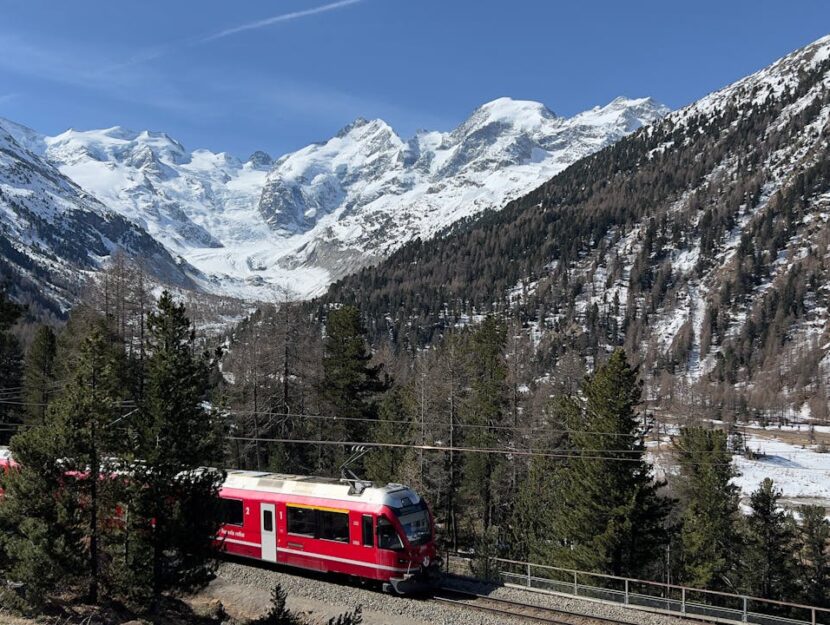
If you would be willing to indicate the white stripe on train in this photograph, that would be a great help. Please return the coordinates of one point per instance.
(342, 560)
(296, 552)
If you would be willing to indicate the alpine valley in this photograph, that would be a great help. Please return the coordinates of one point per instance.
(697, 239)
(257, 229)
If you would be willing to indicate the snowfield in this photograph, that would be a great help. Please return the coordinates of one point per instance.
(800, 472)
(797, 467)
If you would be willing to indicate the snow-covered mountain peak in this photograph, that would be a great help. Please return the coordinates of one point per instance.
(362, 127)
(115, 132)
(365, 137)
(518, 113)
(628, 113)
(365, 192)
(313, 215)
(53, 232)
(757, 88)
(116, 143)
(22, 135)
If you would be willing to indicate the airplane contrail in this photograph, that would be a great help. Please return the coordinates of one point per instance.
(284, 17)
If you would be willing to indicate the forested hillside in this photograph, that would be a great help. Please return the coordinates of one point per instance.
(566, 471)
(700, 244)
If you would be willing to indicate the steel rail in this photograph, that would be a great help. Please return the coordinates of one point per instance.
(518, 609)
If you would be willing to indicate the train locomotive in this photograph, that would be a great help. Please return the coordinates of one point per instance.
(380, 533)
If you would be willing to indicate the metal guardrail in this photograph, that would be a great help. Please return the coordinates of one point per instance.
(682, 601)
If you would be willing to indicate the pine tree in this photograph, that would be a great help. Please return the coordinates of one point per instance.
(39, 548)
(277, 613)
(383, 465)
(769, 564)
(350, 383)
(484, 409)
(57, 502)
(537, 500)
(814, 555)
(532, 524)
(85, 414)
(611, 516)
(710, 533)
(39, 373)
(172, 504)
(10, 367)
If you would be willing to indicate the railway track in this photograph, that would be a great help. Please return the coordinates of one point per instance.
(517, 609)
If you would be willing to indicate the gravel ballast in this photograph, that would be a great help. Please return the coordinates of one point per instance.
(245, 592)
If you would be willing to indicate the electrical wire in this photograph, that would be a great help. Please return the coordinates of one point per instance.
(131, 404)
(482, 450)
(539, 428)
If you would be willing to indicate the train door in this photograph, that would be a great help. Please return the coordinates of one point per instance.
(268, 531)
(367, 535)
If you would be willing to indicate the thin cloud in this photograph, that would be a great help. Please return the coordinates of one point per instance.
(285, 17)
(151, 54)
(78, 67)
(8, 97)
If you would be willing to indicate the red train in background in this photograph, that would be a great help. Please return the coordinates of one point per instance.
(384, 534)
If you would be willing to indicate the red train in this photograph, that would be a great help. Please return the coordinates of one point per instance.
(380, 533)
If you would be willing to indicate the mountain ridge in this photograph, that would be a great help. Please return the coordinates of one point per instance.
(699, 243)
(293, 224)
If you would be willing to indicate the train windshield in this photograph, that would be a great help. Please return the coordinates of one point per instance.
(415, 522)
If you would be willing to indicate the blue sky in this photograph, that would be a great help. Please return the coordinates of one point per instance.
(243, 75)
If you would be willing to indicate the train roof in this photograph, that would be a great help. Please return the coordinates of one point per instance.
(394, 495)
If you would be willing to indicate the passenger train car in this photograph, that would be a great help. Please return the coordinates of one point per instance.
(382, 533)
(379, 533)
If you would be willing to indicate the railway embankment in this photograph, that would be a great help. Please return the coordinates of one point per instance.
(245, 593)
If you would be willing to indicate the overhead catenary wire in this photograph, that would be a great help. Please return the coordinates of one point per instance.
(9, 390)
(125, 403)
(593, 454)
(10, 427)
(541, 428)
(483, 450)
(131, 404)
(528, 428)
(537, 428)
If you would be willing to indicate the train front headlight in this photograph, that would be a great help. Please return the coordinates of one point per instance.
(426, 561)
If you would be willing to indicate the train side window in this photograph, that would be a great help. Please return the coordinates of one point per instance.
(387, 536)
(268, 521)
(333, 525)
(301, 521)
(314, 523)
(232, 512)
(368, 533)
